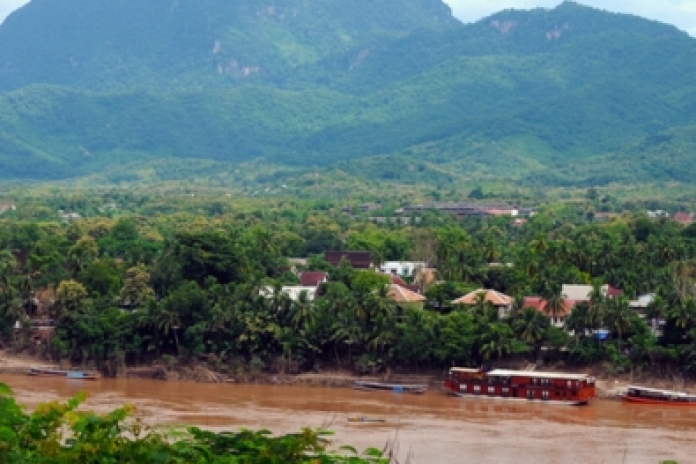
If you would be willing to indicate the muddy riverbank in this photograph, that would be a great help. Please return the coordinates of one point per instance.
(607, 386)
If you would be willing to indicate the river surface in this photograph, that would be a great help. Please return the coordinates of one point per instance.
(432, 429)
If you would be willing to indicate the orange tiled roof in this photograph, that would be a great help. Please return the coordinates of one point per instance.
(491, 296)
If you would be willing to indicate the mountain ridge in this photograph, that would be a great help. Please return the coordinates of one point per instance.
(536, 91)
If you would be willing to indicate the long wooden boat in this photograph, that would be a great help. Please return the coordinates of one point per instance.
(644, 395)
(67, 373)
(413, 389)
(364, 419)
(545, 387)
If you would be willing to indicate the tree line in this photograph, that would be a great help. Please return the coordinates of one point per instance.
(133, 290)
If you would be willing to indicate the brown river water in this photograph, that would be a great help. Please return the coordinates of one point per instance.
(432, 428)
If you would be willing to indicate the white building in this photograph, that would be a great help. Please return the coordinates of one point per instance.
(292, 291)
(402, 268)
(583, 292)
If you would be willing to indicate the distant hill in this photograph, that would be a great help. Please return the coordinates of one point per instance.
(175, 44)
(568, 96)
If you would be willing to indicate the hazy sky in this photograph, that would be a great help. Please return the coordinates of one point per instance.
(681, 13)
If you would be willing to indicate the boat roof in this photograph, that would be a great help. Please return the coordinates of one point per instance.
(537, 375)
(657, 390)
(465, 369)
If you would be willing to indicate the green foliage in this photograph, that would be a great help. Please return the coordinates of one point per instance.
(395, 92)
(59, 433)
(212, 289)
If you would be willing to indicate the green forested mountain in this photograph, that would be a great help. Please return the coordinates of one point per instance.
(569, 96)
(175, 44)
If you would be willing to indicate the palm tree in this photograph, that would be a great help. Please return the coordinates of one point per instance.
(345, 329)
(531, 326)
(168, 320)
(379, 305)
(684, 314)
(597, 306)
(8, 267)
(497, 340)
(578, 320)
(303, 315)
(620, 317)
(555, 304)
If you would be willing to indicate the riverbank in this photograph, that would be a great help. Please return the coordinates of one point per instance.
(608, 386)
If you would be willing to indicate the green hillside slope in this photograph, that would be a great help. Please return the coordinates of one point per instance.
(543, 96)
(100, 44)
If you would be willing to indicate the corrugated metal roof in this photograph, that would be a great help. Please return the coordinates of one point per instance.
(537, 375)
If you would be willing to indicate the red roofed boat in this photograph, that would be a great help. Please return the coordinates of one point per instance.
(643, 395)
(546, 387)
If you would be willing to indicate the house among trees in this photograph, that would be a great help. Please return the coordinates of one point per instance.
(499, 300)
(7, 206)
(405, 298)
(357, 259)
(558, 317)
(581, 293)
(313, 279)
(641, 305)
(685, 219)
(292, 291)
(401, 268)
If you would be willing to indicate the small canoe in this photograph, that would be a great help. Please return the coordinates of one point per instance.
(364, 419)
(72, 374)
(396, 388)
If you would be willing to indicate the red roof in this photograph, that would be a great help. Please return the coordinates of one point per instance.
(312, 279)
(396, 280)
(538, 303)
(613, 292)
(357, 259)
(684, 218)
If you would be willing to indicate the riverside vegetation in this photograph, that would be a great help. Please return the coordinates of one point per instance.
(201, 284)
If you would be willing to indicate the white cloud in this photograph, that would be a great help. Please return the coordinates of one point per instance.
(8, 6)
(681, 13)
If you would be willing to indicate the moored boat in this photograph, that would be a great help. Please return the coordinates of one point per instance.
(67, 373)
(364, 419)
(644, 395)
(413, 389)
(547, 387)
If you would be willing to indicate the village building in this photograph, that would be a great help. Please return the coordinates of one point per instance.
(501, 301)
(313, 279)
(580, 293)
(292, 291)
(641, 306)
(540, 304)
(405, 298)
(356, 259)
(7, 206)
(685, 219)
(402, 268)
